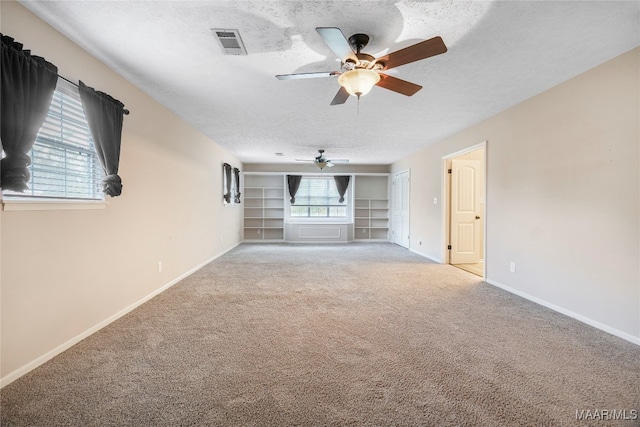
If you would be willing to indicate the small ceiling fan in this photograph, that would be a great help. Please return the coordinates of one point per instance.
(360, 72)
(321, 161)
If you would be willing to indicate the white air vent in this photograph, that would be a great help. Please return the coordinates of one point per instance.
(230, 41)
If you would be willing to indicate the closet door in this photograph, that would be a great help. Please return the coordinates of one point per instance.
(400, 212)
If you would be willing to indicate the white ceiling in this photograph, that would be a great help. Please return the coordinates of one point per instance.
(500, 53)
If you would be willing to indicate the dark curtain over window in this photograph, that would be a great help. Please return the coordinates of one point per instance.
(236, 178)
(342, 183)
(105, 116)
(226, 169)
(293, 181)
(28, 83)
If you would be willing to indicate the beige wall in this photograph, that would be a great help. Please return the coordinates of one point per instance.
(563, 196)
(66, 272)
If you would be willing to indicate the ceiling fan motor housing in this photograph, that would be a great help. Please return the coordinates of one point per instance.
(358, 41)
(364, 61)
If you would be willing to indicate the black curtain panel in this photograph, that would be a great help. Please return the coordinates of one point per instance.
(342, 183)
(293, 181)
(105, 116)
(236, 178)
(226, 170)
(28, 83)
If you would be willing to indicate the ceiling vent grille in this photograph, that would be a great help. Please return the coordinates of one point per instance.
(230, 41)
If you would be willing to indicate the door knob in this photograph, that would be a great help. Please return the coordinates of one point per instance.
(477, 217)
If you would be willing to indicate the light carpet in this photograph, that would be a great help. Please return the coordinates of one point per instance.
(332, 335)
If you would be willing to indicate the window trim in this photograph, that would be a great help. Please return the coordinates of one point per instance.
(16, 203)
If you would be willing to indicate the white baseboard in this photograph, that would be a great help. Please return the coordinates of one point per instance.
(12, 376)
(598, 325)
(561, 310)
(438, 260)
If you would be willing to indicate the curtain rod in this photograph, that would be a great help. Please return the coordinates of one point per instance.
(124, 111)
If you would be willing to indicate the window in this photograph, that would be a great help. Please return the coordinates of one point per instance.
(64, 163)
(230, 184)
(317, 197)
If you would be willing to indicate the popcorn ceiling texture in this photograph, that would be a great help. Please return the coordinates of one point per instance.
(500, 53)
(357, 334)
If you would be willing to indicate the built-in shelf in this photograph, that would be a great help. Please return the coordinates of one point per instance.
(371, 219)
(263, 207)
(371, 208)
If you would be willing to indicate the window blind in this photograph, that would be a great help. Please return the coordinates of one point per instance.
(64, 163)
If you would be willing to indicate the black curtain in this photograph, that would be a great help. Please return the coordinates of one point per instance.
(105, 116)
(342, 183)
(293, 181)
(28, 83)
(236, 178)
(226, 168)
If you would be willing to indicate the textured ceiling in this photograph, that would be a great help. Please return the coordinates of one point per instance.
(500, 53)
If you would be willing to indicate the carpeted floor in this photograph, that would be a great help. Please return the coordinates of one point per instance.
(333, 335)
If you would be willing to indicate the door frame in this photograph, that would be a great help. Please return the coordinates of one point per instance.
(446, 202)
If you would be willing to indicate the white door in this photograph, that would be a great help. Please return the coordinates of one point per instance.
(400, 211)
(466, 209)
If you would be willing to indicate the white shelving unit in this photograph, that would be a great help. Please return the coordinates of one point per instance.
(371, 220)
(263, 207)
(371, 208)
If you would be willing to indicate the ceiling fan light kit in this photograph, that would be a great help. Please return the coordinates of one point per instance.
(360, 71)
(322, 164)
(359, 81)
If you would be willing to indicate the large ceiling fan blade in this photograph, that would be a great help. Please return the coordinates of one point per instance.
(337, 42)
(339, 161)
(398, 85)
(307, 75)
(341, 97)
(416, 52)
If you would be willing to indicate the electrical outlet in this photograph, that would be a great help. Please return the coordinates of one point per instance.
(159, 266)
(435, 200)
(512, 267)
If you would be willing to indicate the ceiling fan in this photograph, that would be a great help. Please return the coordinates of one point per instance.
(321, 161)
(360, 72)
